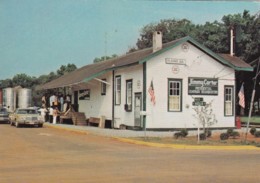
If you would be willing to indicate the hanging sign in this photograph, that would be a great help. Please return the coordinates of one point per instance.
(202, 86)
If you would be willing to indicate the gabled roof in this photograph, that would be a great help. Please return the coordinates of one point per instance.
(88, 72)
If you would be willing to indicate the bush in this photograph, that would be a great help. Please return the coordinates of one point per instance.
(209, 133)
(229, 131)
(203, 136)
(182, 133)
(257, 134)
(252, 131)
(224, 136)
(234, 134)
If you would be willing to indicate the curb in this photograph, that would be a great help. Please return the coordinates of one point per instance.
(183, 146)
(152, 144)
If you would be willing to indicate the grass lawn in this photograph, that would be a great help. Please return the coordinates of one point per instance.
(253, 119)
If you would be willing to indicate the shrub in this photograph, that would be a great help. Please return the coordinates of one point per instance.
(203, 136)
(224, 136)
(209, 133)
(234, 134)
(252, 131)
(257, 134)
(229, 131)
(182, 133)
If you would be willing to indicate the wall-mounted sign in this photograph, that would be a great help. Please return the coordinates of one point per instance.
(185, 47)
(84, 94)
(198, 101)
(202, 86)
(175, 69)
(179, 61)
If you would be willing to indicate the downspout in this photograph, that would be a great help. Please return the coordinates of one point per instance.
(113, 99)
(144, 95)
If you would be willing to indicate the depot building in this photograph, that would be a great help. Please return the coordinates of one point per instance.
(158, 87)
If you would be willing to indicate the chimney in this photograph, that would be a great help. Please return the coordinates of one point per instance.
(232, 42)
(157, 41)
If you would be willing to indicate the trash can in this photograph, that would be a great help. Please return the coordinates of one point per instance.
(238, 122)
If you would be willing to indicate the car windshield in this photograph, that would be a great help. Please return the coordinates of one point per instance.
(27, 111)
(3, 110)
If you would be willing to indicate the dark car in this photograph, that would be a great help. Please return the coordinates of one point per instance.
(4, 116)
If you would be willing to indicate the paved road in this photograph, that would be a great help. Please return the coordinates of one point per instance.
(40, 155)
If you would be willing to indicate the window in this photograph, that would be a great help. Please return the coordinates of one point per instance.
(228, 101)
(128, 105)
(174, 94)
(118, 90)
(103, 87)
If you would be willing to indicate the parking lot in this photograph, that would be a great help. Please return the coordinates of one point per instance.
(54, 155)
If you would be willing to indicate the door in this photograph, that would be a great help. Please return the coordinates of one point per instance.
(137, 109)
(76, 101)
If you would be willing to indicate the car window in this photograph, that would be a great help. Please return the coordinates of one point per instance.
(3, 110)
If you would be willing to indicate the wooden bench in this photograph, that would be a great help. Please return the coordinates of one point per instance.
(100, 122)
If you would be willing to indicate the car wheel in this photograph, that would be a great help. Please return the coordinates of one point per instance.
(17, 124)
(40, 125)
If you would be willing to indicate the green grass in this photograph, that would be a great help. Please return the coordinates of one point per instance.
(253, 119)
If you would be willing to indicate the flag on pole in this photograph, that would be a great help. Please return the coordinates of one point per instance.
(241, 96)
(151, 92)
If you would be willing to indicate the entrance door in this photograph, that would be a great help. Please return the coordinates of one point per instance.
(137, 109)
(76, 102)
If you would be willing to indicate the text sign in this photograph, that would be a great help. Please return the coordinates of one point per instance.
(179, 61)
(84, 94)
(198, 101)
(203, 86)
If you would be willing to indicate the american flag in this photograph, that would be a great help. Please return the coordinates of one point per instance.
(151, 92)
(241, 96)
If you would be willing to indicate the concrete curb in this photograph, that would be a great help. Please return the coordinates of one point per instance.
(152, 144)
(183, 146)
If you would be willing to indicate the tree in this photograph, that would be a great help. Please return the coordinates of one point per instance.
(205, 116)
(23, 80)
(66, 69)
(104, 58)
(171, 29)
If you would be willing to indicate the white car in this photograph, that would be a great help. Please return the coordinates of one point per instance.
(25, 116)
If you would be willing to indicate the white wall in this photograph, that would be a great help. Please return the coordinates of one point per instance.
(198, 64)
(98, 105)
(136, 74)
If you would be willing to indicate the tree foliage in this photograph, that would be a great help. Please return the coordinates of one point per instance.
(214, 35)
(104, 58)
(26, 81)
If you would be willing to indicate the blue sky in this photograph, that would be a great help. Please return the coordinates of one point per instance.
(38, 36)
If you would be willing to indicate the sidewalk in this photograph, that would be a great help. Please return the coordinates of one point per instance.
(122, 135)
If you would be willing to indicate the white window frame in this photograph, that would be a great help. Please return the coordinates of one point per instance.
(229, 101)
(117, 90)
(103, 87)
(174, 95)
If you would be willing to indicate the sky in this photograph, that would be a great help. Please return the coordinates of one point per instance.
(38, 36)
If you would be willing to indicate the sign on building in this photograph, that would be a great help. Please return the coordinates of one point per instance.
(202, 86)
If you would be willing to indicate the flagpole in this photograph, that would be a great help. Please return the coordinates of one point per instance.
(252, 101)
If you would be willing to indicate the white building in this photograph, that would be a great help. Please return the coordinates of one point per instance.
(183, 74)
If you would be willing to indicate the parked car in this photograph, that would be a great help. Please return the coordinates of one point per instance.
(25, 116)
(4, 116)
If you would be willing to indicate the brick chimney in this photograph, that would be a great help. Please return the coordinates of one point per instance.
(157, 41)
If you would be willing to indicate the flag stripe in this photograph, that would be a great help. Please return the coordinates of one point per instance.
(241, 96)
(151, 92)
